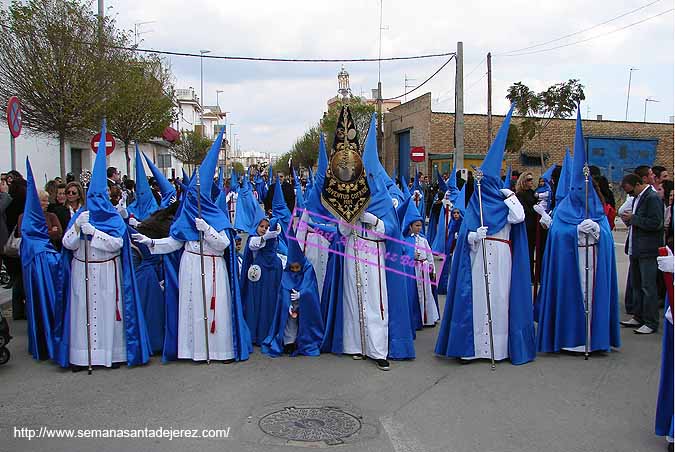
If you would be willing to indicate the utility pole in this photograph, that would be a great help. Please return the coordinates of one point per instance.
(459, 106)
(380, 136)
(630, 76)
(489, 97)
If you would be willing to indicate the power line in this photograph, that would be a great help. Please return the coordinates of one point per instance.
(424, 82)
(592, 37)
(580, 31)
(475, 83)
(475, 67)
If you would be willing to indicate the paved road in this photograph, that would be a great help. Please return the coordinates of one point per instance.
(557, 403)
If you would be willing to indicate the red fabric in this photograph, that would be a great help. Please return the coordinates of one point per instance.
(610, 213)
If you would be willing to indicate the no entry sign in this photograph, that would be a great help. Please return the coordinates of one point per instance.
(14, 116)
(417, 154)
(109, 143)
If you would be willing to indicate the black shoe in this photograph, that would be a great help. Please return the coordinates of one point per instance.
(115, 366)
(290, 348)
(670, 447)
(382, 364)
(76, 369)
(228, 361)
(464, 361)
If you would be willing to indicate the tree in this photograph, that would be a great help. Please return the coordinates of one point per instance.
(141, 105)
(60, 63)
(559, 101)
(238, 167)
(191, 148)
(361, 114)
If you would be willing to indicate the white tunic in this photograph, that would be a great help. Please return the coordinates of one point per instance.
(372, 293)
(108, 340)
(191, 338)
(592, 261)
(498, 254)
(424, 261)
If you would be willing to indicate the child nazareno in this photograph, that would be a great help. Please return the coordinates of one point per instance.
(261, 271)
(297, 327)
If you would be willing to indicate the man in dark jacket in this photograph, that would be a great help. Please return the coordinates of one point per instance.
(645, 236)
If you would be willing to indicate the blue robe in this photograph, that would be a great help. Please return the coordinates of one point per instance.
(310, 322)
(171, 267)
(148, 268)
(663, 425)
(259, 297)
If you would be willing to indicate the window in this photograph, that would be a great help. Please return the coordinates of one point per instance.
(164, 161)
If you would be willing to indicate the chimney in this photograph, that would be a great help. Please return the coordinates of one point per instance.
(598, 117)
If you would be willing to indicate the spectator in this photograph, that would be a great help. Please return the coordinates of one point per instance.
(5, 200)
(130, 190)
(603, 187)
(645, 236)
(525, 194)
(460, 180)
(660, 176)
(17, 190)
(469, 188)
(114, 177)
(58, 206)
(70, 178)
(645, 173)
(53, 224)
(156, 192)
(50, 187)
(74, 198)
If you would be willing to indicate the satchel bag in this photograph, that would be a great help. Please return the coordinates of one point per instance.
(13, 244)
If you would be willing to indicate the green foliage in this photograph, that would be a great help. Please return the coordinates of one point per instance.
(191, 148)
(60, 63)
(305, 151)
(558, 101)
(141, 105)
(514, 140)
(239, 168)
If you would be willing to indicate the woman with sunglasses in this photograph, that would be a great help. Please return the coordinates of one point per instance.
(74, 197)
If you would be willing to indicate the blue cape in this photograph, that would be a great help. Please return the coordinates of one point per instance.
(144, 203)
(663, 424)
(248, 211)
(456, 336)
(280, 211)
(104, 217)
(310, 322)
(313, 202)
(40, 265)
(560, 303)
(165, 187)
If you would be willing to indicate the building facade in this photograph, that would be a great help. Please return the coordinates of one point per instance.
(616, 147)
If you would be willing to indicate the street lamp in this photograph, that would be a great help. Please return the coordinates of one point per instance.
(218, 91)
(201, 89)
(630, 75)
(647, 99)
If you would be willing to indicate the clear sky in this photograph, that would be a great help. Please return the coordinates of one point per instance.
(272, 104)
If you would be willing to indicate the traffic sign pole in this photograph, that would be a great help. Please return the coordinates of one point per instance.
(12, 151)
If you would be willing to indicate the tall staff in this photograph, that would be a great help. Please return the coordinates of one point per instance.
(586, 297)
(85, 178)
(479, 176)
(359, 298)
(201, 261)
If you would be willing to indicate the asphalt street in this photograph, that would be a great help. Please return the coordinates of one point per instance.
(557, 403)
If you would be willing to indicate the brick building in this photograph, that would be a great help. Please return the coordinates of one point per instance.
(614, 146)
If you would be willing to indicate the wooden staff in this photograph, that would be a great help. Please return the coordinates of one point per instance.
(201, 261)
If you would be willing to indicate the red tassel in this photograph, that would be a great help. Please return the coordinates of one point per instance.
(213, 303)
(213, 326)
(117, 314)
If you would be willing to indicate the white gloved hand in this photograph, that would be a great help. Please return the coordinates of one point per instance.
(369, 218)
(295, 295)
(87, 229)
(545, 220)
(539, 209)
(133, 222)
(669, 314)
(142, 239)
(506, 192)
(394, 201)
(83, 218)
(542, 195)
(481, 232)
(122, 210)
(272, 234)
(201, 225)
(588, 226)
(447, 203)
(666, 263)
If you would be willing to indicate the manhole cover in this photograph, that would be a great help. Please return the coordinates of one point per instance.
(311, 424)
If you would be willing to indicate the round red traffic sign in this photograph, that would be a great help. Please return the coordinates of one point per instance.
(109, 143)
(14, 116)
(417, 154)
